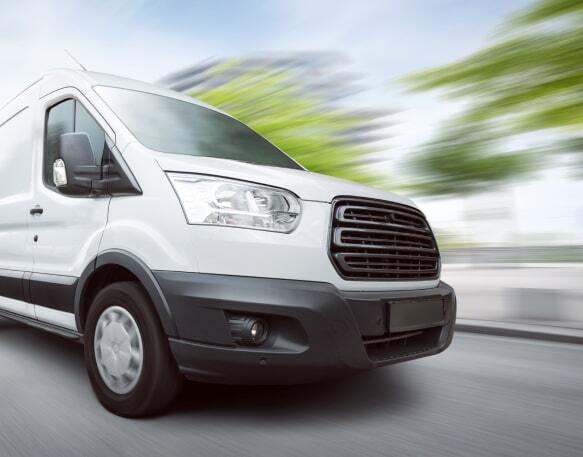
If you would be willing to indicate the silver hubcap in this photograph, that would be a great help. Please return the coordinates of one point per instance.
(118, 350)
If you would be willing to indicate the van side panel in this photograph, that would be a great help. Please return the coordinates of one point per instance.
(15, 189)
(16, 165)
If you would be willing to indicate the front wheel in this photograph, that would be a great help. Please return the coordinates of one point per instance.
(130, 365)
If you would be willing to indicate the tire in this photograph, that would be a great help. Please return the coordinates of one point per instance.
(133, 373)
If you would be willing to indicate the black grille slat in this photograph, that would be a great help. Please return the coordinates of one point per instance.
(376, 240)
(396, 271)
(379, 244)
(356, 239)
(394, 248)
(378, 214)
(387, 256)
(385, 232)
(356, 222)
(359, 263)
(382, 238)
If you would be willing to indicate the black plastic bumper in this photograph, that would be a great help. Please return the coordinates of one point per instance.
(316, 332)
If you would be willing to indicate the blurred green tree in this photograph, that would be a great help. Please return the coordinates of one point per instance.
(296, 103)
(465, 159)
(530, 80)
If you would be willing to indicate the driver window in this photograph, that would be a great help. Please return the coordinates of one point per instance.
(86, 124)
(70, 116)
(60, 120)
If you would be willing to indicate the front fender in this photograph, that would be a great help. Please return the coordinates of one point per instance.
(141, 271)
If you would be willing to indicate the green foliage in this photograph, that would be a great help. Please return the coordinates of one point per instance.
(460, 161)
(547, 9)
(305, 124)
(530, 80)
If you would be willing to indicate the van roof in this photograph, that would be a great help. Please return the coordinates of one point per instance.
(91, 78)
(105, 79)
(63, 77)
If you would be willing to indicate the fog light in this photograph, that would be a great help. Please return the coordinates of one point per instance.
(248, 331)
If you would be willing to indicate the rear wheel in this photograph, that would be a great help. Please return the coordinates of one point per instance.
(130, 365)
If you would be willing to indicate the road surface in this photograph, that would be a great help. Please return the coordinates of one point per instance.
(485, 396)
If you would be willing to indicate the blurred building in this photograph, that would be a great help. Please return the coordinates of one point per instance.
(321, 74)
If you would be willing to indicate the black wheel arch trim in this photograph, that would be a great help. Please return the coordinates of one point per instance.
(139, 269)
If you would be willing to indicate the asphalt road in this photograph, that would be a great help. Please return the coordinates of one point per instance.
(485, 396)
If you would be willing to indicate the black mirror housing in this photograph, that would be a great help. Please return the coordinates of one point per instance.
(75, 150)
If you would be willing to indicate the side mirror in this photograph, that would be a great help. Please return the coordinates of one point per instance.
(75, 171)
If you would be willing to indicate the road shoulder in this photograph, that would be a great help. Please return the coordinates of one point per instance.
(520, 330)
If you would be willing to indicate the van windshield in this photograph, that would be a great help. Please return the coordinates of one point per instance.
(174, 126)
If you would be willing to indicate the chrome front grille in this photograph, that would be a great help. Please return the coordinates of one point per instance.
(383, 241)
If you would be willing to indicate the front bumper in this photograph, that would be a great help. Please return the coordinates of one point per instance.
(317, 331)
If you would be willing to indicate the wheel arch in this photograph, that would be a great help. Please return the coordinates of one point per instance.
(127, 266)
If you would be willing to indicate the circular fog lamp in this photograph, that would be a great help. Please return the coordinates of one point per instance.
(257, 331)
(248, 331)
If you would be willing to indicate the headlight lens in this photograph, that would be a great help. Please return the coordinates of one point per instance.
(220, 201)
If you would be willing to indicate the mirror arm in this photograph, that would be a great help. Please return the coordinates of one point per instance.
(99, 187)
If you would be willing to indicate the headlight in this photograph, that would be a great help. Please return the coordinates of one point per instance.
(221, 201)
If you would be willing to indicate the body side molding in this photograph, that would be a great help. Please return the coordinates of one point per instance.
(67, 333)
(12, 284)
(52, 291)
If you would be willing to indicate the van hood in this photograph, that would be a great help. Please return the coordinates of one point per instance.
(305, 184)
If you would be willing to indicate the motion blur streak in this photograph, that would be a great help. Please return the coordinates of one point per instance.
(300, 102)
(484, 396)
(509, 153)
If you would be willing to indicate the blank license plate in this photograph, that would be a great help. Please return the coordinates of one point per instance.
(414, 314)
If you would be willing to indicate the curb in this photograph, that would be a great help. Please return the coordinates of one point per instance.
(497, 265)
(517, 330)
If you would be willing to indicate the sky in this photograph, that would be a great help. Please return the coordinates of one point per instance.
(383, 40)
(147, 39)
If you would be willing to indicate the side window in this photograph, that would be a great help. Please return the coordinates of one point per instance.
(68, 117)
(60, 120)
(86, 124)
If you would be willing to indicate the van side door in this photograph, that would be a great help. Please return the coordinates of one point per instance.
(16, 164)
(65, 230)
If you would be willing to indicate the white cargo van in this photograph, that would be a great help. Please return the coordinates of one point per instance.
(174, 241)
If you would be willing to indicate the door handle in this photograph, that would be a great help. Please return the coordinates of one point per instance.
(36, 210)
